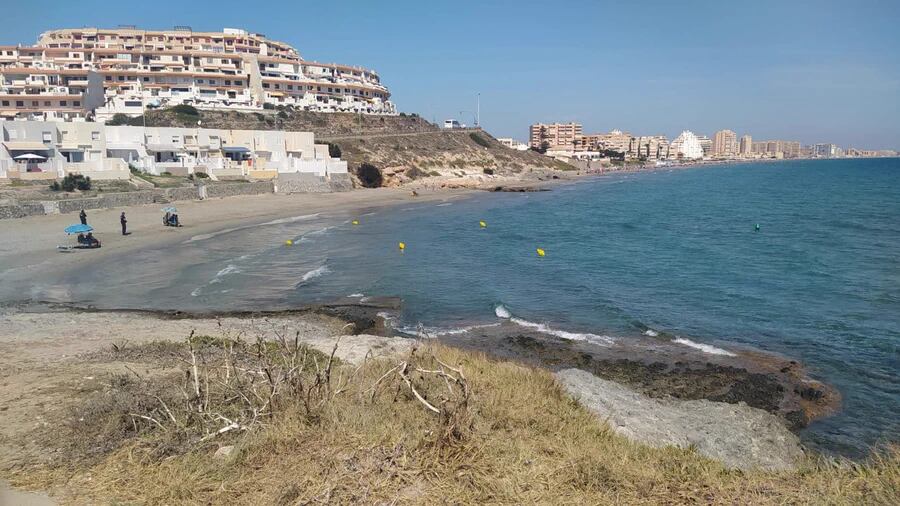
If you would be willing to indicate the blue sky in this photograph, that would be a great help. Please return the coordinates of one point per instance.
(814, 71)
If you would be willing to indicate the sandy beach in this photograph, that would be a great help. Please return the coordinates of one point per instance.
(29, 245)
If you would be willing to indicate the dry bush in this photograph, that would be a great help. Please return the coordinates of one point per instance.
(436, 425)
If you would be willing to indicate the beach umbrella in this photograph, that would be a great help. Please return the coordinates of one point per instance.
(79, 229)
(28, 156)
(169, 209)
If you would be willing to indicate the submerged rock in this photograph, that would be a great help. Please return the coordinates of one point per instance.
(738, 435)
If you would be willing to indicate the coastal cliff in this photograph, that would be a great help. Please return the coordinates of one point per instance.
(404, 150)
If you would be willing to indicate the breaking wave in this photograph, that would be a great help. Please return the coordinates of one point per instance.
(543, 328)
(315, 273)
(706, 348)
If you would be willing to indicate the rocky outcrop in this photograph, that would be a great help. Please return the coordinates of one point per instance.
(735, 434)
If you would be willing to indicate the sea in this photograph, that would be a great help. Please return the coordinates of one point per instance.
(797, 258)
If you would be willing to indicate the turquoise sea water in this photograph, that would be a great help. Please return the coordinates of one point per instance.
(672, 251)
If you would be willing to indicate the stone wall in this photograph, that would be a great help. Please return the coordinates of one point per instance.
(21, 210)
(310, 183)
(135, 198)
(232, 189)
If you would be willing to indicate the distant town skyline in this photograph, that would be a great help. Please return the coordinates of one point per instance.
(813, 71)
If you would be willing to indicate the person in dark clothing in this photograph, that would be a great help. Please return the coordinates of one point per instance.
(83, 216)
(124, 223)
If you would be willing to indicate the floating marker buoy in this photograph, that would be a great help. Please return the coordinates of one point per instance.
(540, 252)
(402, 246)
(289, 243)
(356, 222)
(757, 227)
(483, 224)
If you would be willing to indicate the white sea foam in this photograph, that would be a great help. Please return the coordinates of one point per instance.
(426, 332)
(706, 348)
(356, 295)
(543, 328)
(315, 273)
(651, 333)
(290, 219)
(445, 204)
(196, 291)
(229, 269)
(307, 237)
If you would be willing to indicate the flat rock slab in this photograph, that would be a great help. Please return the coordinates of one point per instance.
(739, 436)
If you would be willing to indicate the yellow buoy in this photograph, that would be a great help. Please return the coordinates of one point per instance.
(483, 224)
(402, 246)
(356, 222)
(540, 252)
(288, 242)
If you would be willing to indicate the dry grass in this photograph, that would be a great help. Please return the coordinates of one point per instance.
(514, 438)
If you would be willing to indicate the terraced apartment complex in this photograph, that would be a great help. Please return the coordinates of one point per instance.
(96, 73)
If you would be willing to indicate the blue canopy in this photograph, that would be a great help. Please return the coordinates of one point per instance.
(79, 229)
(235, 149)
(170, 209)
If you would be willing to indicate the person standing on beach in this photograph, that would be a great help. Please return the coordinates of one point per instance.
(124, 222)
(83, 216)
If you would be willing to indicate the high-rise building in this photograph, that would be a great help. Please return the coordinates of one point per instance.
(777, 149)
(95, 72)
(705, 144)
(554, 136)
(686, 146)
(827, 150)
(746, 145)
(651, 148)
(724, 143)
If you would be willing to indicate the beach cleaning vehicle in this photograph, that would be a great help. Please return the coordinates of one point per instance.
(85, 239)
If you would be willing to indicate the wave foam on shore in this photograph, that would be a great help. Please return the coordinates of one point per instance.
(602, 340)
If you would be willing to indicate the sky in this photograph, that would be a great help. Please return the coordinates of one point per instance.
(807, 70)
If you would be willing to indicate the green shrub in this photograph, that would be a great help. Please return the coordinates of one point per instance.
(489, 172)
(481, 141)
(268, 106)
(334, 150)
(415, 172)
(71, 183)
(201, 175)
(282, 114)
(185, 110)
(124, 119)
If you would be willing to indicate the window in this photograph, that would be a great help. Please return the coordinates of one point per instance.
(46, 136)
(46, 103)
(63, 103)
(121, 78)
(95, 136)
(76, 103)
(5, 103)
(146, 79)
(34, 103)
(109, 78)
(227, 82)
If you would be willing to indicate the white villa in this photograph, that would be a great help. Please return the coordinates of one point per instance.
(50, 150)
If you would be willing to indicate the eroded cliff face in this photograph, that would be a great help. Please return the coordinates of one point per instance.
(446, 158)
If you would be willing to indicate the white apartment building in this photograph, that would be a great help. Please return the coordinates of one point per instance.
(40, 150)
(686, 146)
(96, 73)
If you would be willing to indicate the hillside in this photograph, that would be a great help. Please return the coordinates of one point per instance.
(399, 150)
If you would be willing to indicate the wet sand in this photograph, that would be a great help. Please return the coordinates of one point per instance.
(28, 248)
